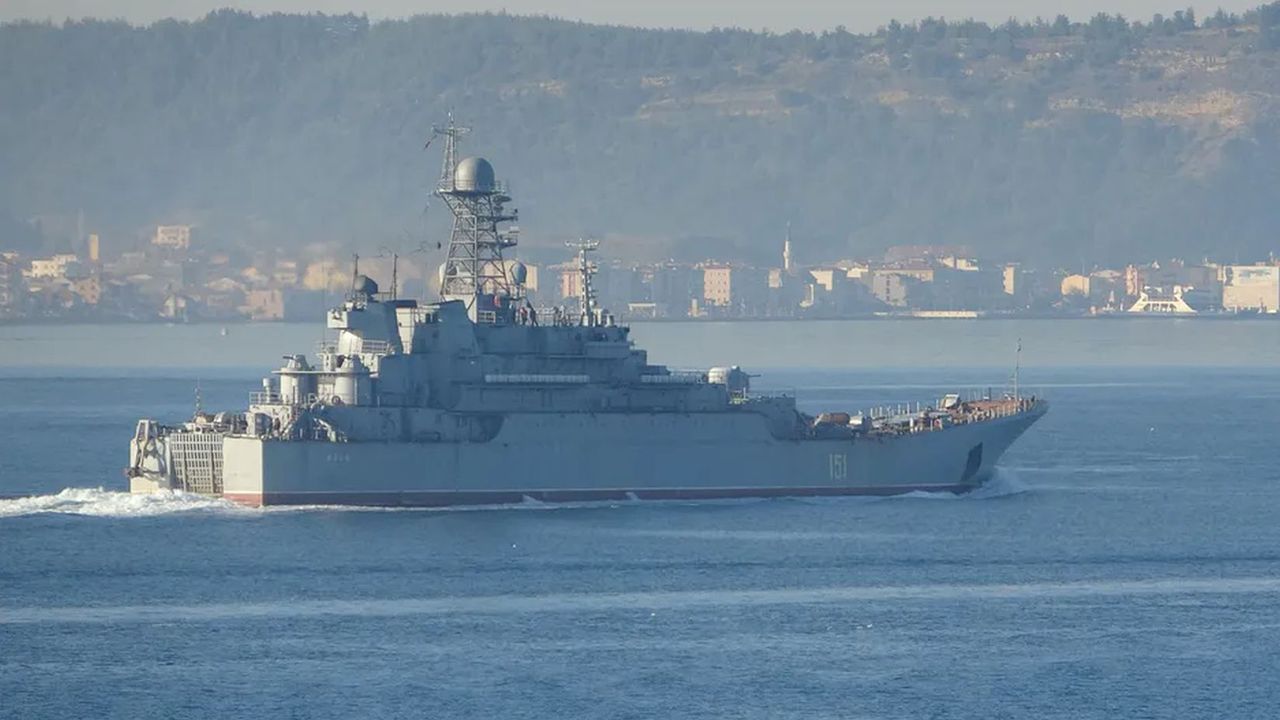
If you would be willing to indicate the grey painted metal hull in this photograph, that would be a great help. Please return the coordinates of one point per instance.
(580, 456)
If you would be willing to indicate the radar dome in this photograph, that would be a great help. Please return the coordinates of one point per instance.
(364, 285)
(474, 174)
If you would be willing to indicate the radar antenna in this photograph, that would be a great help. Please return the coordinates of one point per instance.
(586, 271)
(474, 270)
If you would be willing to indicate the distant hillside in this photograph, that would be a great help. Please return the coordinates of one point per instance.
(1059, 141)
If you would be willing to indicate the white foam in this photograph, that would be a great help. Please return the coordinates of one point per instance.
(1002, 483)
(97, 502)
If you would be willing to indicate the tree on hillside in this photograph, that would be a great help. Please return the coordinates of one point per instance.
(289, 129)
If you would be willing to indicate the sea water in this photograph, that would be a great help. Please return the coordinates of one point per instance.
(1124, 562)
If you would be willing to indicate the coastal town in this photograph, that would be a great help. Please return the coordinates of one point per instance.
(168, 275)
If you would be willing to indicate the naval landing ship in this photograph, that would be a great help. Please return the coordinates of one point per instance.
(479, 398)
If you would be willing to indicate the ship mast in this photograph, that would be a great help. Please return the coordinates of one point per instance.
(1017, 367)
(451, 133)
(474, 270)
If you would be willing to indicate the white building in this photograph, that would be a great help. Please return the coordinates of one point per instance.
(1251, 288)
(52, 268)
(173, 237)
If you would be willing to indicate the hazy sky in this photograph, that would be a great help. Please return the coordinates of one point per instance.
(857, 15)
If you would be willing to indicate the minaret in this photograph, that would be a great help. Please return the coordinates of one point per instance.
(786, 250)
(586, 270)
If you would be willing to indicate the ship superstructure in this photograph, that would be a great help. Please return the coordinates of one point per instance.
(479, 398)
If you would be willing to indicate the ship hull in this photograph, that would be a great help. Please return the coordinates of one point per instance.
(583, 457)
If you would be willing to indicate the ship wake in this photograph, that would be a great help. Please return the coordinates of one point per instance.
(1002, 483)
(99, 502)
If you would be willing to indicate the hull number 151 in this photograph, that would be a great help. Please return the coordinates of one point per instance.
(839, 465)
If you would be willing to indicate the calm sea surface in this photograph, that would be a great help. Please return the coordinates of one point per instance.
(1124, 563)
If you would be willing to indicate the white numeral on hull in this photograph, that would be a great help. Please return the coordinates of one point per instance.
(838, 463)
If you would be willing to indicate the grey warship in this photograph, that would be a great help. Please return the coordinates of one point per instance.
(480, 399)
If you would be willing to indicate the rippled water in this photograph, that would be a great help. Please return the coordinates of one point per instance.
(1125, 563)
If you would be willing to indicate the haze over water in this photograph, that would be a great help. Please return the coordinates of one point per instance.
(1124, 563)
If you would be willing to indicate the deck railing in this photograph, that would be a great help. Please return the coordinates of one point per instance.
(375, 347)
(368, 347)
(906, 418)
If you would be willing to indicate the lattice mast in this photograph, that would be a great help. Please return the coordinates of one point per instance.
(474, 270)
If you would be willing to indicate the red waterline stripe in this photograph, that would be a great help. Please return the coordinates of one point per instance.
(501, 497)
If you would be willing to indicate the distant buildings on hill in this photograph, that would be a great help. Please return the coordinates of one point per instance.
(1176, 288)
(924, 281)
(170, 276)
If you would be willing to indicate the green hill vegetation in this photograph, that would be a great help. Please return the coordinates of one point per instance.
(1051, 141)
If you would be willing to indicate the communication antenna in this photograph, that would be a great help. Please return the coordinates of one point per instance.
(199, 400)
(1017, 367)
(419, 248)
(395, 269)
(324, 297)
(450, 132)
